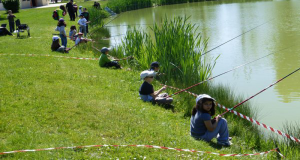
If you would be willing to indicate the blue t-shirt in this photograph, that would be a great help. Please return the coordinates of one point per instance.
(197, 123)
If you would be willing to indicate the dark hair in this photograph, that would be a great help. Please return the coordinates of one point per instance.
(73, 27)
(154, 65)
(61, 24)
(199, 107)
(62, 7)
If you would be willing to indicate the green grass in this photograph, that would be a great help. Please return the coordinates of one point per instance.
(55, 102)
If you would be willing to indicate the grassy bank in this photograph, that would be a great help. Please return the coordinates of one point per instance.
(52, 102)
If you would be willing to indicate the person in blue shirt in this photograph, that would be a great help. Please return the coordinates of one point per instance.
(203, 127)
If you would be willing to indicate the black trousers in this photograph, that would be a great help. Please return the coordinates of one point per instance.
(72, 15)
(11, 27)
(112, 64)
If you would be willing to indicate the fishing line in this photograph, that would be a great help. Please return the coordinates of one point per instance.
(236, 37)
(229, 71)
(260, 92)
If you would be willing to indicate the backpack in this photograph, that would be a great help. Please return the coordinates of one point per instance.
(55, 15)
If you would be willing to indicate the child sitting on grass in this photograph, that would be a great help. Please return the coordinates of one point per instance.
(55, 46)
(205, 128)
(79, 39)
(147, 92)
(72, 33)
(105, 62)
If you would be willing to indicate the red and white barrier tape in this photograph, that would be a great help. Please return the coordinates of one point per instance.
(48, 55)
(260, 124)
(146, 146)
(250, 119)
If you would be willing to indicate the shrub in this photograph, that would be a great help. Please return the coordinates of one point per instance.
(13, 5)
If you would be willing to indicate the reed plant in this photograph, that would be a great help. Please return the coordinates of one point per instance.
(97, 16)
(176, 45)
(127, 5)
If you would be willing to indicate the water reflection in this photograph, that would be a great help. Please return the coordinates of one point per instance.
(221, 21)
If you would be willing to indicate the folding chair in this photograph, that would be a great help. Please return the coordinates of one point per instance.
(22, 28)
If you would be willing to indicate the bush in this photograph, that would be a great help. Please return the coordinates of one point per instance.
(13, 5)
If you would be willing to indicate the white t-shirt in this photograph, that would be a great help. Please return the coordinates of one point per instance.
(82, 22)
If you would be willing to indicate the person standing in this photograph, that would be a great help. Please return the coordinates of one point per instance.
(70, 9)
(75, 9)
(61, 11)
(61, 25)
(82, 23)
(87, 17)
(11, 21)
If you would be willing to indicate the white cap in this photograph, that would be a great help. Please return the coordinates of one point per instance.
(201, 96)
(54, 38)
(147, 73)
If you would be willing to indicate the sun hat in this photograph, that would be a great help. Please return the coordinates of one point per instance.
(104, 49)
(79, 33)
(147, 73)
(61, 20)
(54, 38)
(201, 96)
(80, 6)
(154, 64)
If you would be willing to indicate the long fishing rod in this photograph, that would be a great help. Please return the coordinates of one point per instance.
(106, 24)
(129, 57)
(236, 37)
(227, 72)
(260, 92)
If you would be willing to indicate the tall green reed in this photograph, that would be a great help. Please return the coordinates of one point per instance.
(97, 16)
(176, 44)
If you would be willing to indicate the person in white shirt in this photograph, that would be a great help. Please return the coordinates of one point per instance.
(82, 23)
(79, 39)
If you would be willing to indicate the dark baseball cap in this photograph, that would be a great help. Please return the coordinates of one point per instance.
(154, 64)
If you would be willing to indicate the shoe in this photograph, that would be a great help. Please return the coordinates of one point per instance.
(225, 144)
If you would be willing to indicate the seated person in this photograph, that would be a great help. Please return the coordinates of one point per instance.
(147, 92)
(203, 127)
(55, 46)
(79, 39)
(105, 62)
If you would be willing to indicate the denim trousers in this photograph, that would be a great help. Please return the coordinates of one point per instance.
(63, 40)
(221, 132)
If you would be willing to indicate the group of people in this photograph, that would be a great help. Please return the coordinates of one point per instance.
(73, 35)
(202, 126)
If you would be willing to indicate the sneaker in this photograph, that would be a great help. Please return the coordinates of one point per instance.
(226, 144)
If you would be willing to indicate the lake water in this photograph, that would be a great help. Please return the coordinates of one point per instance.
(221, 21)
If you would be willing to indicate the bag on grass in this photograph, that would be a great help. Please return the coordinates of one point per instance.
(55, 15)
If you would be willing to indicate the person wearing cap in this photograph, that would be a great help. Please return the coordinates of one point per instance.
(70, 9)
(203, 127)
(155, 67)
(82, 23)
(86, 15)
(147, 92)
(61, 25)
(79, 39)
(80, 10)
(105, 62)
(55, 46)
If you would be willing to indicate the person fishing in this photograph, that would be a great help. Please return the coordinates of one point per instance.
(147, 92)
(155, 66)
(105, 62)
(203, 127)
(55, 46)
(79, 39)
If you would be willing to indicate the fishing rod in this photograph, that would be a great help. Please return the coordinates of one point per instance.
(236, 37)
(129, 57)
(259, 92)
(106, 24)
(228, 71)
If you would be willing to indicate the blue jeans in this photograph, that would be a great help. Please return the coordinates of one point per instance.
(221, 130)
(63, 40)
(146, 98)
(83, 30)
